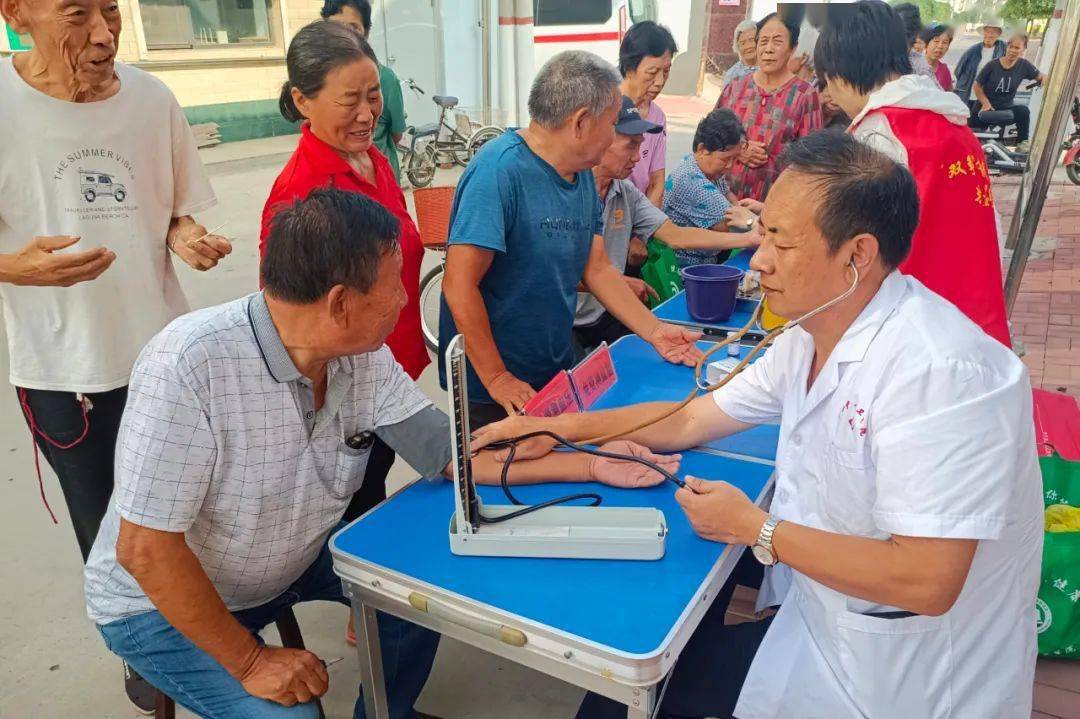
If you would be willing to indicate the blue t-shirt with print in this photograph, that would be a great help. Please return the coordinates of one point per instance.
(541, 229)
(693, 200)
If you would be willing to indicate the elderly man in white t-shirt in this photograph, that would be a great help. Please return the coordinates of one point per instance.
(99, 177)
(908, 502)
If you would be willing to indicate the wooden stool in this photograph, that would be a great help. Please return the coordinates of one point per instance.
(288, 629)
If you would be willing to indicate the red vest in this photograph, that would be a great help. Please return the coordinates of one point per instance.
(954, 251)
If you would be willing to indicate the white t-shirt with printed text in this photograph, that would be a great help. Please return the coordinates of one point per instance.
(113, 172)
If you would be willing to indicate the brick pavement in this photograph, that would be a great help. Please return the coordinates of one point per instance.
(1046, 316)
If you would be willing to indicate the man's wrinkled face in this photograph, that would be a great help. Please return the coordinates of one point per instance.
(990, 35)
(799, 272)
(79, 35)
(619, 160)
(372, 315)
(594, 135)
(1015, 49)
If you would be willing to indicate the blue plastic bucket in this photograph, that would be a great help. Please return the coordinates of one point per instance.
(711, 291)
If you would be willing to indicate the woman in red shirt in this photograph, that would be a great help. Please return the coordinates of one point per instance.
(775, 106)
(333, 88)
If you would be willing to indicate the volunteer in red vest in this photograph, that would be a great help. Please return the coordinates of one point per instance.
(333, 88)
(908, 117)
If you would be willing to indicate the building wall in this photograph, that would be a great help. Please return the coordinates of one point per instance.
(723, 20)
(236, 87)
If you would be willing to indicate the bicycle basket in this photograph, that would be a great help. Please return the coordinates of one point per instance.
(433, 214)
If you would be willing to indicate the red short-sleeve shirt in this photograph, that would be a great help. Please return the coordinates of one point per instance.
(315, 164)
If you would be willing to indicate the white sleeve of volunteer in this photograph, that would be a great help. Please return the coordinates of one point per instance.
(191, 187)
(944, 447)
(756, 395)
(875, 131)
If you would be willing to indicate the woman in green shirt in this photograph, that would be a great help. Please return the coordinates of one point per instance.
(391, 123)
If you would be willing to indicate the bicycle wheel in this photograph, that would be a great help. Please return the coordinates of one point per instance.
(430, 300)
(459, 151)
(421, 167)
(482, 137)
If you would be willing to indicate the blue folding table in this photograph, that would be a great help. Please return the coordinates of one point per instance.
(645, 377)
(613, 627)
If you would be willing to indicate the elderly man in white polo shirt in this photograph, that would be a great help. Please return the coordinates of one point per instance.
(246, 434)
(908, 503)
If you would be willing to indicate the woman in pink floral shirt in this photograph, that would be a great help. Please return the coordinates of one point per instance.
(775, 107)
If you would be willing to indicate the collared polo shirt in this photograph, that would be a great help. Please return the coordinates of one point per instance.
(316, 165)
(220, 441)
(627, 211)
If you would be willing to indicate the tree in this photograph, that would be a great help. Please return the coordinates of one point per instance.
(1026, 10)
(930, 10)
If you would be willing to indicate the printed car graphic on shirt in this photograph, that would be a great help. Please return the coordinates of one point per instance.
(93, 184)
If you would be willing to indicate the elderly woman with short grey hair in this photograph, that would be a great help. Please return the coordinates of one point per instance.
(525, 232)
(744, 45)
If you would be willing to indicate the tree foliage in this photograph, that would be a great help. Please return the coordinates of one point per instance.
(1024, 10)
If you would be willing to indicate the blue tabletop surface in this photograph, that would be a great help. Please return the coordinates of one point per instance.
(643, 376)
(629, 606)
(674, 310)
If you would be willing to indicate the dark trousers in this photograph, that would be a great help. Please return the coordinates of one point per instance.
(589, 337)
(482, 414)
(1022, 115)
(85, 470)
(709, 674)
(373, 490)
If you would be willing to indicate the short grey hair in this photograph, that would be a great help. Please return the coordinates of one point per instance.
(739, 30)
(568, 82)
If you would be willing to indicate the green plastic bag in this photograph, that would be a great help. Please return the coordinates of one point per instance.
(661, 272)
(1059, 591)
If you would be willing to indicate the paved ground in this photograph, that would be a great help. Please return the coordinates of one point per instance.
(53, 662)
(1047, 311)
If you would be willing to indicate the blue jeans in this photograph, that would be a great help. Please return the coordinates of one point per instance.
(169, 661)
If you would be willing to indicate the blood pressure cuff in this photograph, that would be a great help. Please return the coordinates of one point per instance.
(422, 440)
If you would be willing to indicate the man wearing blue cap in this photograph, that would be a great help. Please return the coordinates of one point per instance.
(627, 212)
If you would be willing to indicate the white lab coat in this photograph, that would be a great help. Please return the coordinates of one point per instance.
(919, 424)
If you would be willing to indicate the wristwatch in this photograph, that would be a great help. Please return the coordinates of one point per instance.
(763, 549)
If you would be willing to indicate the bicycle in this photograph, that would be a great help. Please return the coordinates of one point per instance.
(439, 143)
(433, 222)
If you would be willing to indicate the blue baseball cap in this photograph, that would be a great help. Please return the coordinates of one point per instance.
(629, 121)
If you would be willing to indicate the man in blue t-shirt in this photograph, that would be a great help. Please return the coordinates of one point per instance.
(525, 233)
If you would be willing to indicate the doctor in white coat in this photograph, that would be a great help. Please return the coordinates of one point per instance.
(908, 497)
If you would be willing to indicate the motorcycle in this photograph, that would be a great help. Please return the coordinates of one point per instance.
(1072, 146)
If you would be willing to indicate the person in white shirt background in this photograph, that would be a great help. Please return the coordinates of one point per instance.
(975, 58)
(99, 178)
(907, 501)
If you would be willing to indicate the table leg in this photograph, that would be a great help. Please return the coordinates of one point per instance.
(371, 663)
(642, 704)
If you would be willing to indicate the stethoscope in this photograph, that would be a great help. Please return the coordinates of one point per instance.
(732, 338)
